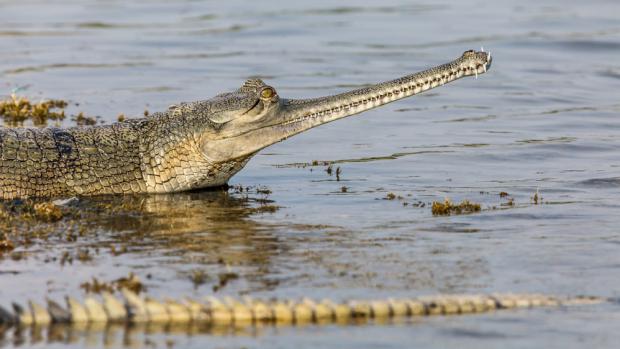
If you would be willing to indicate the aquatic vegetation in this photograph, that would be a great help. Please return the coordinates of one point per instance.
(131, 282)
(6, 245)
(84, 255)
(510, 202)
(448, 208)
(27, 210)
(392, 196)
(82, 120)
(198, 277)
(536, 199)
(404, 200)
(313, 163)
(263, 190)
(15, 110)
(224, 279)
(47, 212)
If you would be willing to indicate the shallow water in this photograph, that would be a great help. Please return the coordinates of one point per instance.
(544, 119)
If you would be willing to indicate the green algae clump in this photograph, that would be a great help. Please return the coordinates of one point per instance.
(448, 208)
(47, 212)
(83, 120)
(15, 110)
(131, 282)
(6, 245)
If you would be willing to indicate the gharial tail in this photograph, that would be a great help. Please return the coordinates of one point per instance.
(211, 311)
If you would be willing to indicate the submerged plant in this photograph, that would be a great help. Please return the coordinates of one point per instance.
(15, 110)
(447, 208)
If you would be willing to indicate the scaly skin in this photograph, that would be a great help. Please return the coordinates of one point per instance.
(122, 158)
(133, 309)
(190, 146)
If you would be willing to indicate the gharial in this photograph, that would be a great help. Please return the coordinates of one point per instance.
(191, 145)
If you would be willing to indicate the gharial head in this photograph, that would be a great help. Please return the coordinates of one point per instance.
(240, 123)
(252, 101)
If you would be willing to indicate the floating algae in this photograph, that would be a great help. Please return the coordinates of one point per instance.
(131, 282)
(198, 277)
(509, 203)
(536, 199)
(28, 210)
(16, 110)
(6, 245)
(47, 212)
(83, 120)
(448, 208)
(224, 278)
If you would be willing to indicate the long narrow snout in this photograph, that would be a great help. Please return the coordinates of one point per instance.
(294, 116)
(307, 113)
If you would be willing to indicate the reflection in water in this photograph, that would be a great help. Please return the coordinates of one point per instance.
(95, 335)
(198, 238)
(214, 223)
(118, 335)
(209, 228)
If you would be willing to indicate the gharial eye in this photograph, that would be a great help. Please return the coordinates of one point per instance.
(267, 93)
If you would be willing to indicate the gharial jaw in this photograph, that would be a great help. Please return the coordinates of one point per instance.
(288, 117)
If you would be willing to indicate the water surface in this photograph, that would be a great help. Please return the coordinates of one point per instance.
(543, 120)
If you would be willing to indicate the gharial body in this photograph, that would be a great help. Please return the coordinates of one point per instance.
(191, 145)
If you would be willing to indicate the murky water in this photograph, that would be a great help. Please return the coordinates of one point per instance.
(544, 119)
